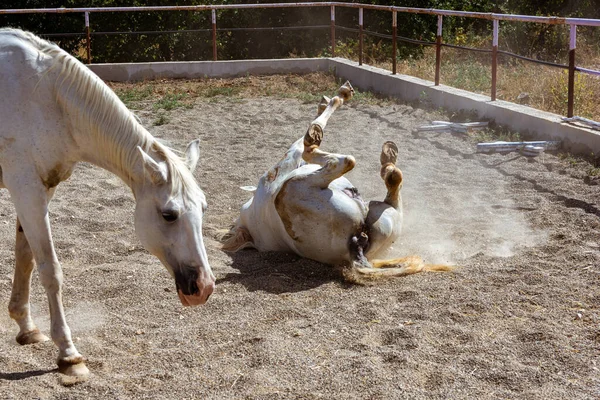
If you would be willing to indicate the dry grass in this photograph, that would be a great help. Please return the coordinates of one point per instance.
(546, 86)
(307, 88)
(168, 94)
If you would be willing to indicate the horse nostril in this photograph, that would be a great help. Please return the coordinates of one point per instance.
(185, 280)
(207, 297)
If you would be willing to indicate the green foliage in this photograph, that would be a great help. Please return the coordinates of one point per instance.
(474, 75)
(538, 40)
(493, 134)
(170, 101)
(162, 119)
(131, 95)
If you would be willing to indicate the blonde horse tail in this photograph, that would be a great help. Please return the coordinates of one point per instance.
(236, 239)
(358, 272)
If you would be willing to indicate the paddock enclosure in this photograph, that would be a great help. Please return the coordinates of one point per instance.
(519, 318)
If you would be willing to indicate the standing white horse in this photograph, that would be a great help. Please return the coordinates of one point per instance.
(54, 112)
(305, 205)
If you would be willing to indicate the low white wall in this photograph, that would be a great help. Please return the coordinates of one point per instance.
(539, 124)
(207, 69)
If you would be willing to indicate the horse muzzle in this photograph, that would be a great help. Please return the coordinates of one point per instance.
(194, 285)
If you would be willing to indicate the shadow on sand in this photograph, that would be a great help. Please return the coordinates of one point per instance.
(276, 272)
(17, 376)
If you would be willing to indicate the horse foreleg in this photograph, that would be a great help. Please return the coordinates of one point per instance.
(18, 307)
(31, 203)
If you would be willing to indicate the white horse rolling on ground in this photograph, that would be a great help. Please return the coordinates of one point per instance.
(305, 205)
(55, 112)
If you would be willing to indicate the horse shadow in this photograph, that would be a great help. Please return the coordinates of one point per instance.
(18, 376)
(278, 272)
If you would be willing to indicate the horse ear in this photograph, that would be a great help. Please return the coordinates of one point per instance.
(152, 169)
(192, 154)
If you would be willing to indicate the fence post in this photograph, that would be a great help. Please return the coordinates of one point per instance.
(87, 36)
(360, 36)
(438, 50)
(494, 58)
(332, 31)
(214, 33)
(394, 40)
(571, 94)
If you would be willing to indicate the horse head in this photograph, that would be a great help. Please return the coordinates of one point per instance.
(168, 219)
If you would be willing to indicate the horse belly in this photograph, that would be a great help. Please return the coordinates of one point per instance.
(319, 222)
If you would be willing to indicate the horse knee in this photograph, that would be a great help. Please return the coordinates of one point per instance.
(51, 277)
(16, 309)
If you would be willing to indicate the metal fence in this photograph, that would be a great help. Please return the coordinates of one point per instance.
(439, 44)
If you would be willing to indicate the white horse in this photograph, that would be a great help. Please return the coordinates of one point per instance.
(55, 112)
(305, 205)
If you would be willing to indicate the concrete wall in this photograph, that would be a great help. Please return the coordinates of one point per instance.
(536, 123)
(207, 69)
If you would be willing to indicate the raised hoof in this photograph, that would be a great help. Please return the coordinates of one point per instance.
(73, 371)
(313, 136)
(389, 153)
(323, 105)
(31, 337)
(346, 91)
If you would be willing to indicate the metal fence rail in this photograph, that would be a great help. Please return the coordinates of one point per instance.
(495, 18)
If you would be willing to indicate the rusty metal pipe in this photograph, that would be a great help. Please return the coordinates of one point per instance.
(413, 10)
(332, 31)
(438, 50)
(394, 41)
(571, 84)
(360, 36)
(214, 33)
(87, 36)
(494, 58)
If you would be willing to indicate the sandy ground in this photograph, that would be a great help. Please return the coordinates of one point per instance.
(519, 318)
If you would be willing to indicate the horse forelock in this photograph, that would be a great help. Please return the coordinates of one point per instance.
(181, 179)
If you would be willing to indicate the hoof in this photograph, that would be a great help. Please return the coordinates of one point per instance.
(389, 153)
(392, 177)
(31, 337)
(323, 105)
(346, 91)
(313, 136)
(73, 367)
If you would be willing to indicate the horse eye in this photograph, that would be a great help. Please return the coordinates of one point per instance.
(170, 216)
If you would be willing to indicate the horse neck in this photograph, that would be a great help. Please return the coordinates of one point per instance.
(114, 148)
(105, 131)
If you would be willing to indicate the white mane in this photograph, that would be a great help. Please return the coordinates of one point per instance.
(96, 109)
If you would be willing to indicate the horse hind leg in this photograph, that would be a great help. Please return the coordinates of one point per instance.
(18, 307)
(391, 174)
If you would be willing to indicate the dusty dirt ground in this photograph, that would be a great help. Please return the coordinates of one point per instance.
(519, 318)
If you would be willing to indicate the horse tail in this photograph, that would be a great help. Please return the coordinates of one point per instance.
(236, 239)
(358, 272)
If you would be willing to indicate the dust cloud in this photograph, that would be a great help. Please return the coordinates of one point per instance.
(453, 210)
